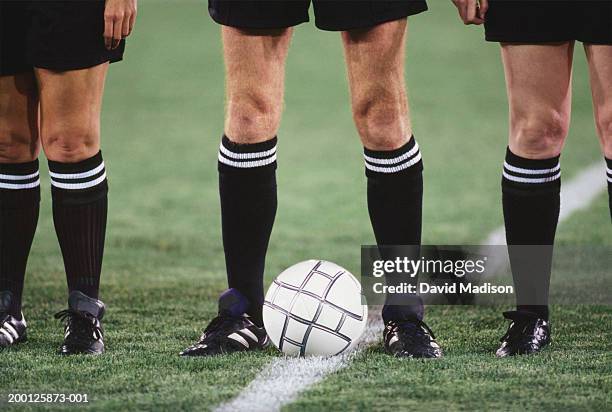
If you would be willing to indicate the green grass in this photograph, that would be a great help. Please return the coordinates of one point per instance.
(164, 267)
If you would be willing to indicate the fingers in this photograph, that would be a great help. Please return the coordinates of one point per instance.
(108, 31)
(132, 22)
(125, 27)
(117, 33)
(119, 19)
(483, 8)
(470, 11)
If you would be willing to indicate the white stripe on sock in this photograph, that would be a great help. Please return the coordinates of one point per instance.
(19, 177)
(531, 171)
(394, 169)
(247, 165)
(19, 185)
(395, 159)
(251, 155)
(531, 180)
(77, 186)
(83, 175)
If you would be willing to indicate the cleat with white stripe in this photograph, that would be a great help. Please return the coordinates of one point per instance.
(12, 329)
(83, 333)
(231, 331)
(410, 338)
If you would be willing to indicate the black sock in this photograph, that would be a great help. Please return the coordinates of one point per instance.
(19, 205)
(609, 176)
(247, 187)
(531, 202)
(80, 205)
(395, 199)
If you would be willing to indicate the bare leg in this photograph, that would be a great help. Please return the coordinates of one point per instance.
(255, 81)
(70, 107)
(375, 63)
(538, 80)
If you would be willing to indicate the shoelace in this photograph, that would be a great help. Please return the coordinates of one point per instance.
(4, 317)
(516, 331)
(82, 326)
(419, 327)
(218, 326)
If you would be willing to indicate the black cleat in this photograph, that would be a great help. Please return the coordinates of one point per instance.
(231, 331)
(410, 339)
(527, 334)
(83, 333)
(12, 329)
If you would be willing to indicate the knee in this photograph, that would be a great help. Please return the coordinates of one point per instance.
(70, 144)
(604, 129)
(253, 117)
(17, 147)
(540, 136)
(381, 120)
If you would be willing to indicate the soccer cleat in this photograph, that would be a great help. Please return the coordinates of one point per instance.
(12, 330)
(83, 333)
(526, 334)
(231, 331)
(410, 339)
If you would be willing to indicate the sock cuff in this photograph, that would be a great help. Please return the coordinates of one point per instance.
(406, 160)
(246, 157)
(522, 171)
(78, 183)
(609, 170)
(19, 176)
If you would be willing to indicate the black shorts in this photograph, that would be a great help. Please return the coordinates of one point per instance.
(335, 15)
(542, 21)
(50, 34)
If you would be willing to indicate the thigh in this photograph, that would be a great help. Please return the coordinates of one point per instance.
(18, 118)
(255, 74)
(539, 86)
(70, 107)
(600, 68)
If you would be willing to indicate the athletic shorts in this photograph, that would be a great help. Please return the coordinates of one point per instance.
(50, 34)
(335, 15)
(541, 21)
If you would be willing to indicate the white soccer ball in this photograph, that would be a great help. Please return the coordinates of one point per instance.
(315, 308)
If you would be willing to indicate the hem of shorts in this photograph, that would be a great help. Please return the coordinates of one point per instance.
(500, 38)
(64, 66)
(384, 18)
(596, 42)
(15, 71)
(257, 26)
(535, 39)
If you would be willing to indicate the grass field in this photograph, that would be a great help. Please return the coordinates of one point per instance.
(164, 267)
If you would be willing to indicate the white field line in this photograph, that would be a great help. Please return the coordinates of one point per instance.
(284, 379)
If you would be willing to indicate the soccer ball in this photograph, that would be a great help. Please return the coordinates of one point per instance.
(315, 308)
